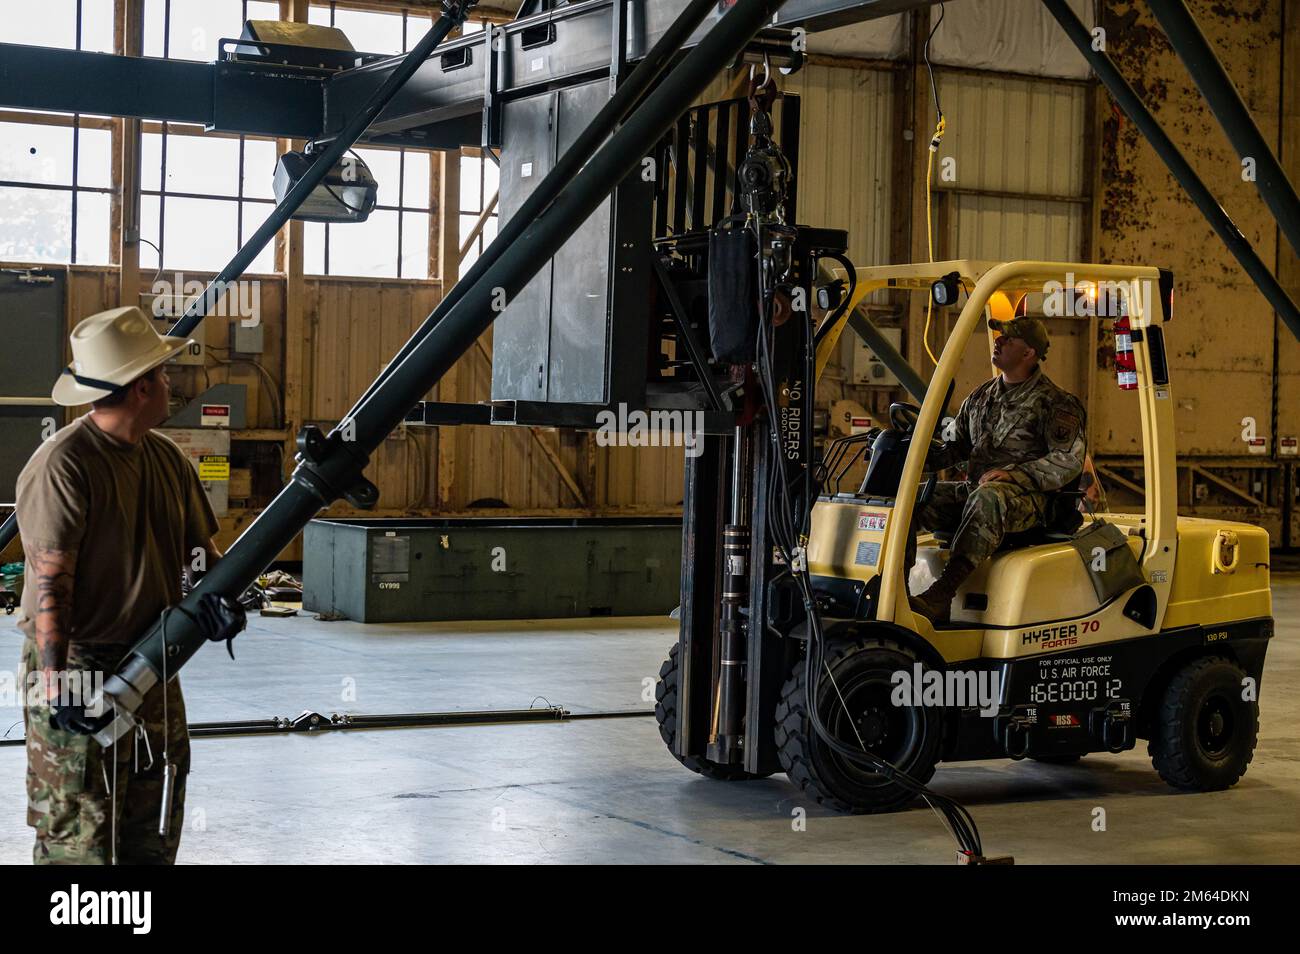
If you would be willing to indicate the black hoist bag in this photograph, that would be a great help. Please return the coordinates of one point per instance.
(733, 291)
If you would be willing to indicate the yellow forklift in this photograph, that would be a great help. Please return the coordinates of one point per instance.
(1091, 632)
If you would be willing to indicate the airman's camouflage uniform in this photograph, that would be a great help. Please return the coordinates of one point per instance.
(69, 802)
(1034, 431)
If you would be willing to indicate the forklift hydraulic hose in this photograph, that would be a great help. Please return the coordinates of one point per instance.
(330, 467)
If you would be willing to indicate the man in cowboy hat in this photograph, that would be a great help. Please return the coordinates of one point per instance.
(111, 513)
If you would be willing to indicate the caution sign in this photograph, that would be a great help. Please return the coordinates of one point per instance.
(214, 467)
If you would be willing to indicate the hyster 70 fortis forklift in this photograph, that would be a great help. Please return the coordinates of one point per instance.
(796, 624)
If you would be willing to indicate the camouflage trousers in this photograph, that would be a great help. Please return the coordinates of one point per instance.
(77, 816)
(980, 515)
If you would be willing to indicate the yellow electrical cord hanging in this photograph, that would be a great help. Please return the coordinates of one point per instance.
(939, 130)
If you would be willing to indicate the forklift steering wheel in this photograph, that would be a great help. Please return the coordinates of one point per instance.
(903, 417)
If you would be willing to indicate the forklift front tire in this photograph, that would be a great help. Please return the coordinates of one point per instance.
(1205, 732)
(666, 701)
(907, 736)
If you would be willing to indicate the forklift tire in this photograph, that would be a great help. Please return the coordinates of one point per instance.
(863, 669)
(1205, 733)
(666, 716)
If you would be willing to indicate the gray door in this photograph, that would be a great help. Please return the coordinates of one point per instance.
(31, 357)
(521, 335)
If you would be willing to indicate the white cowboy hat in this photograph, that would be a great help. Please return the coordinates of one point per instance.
(111, 349)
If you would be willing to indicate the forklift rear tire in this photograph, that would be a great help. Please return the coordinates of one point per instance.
(666, 697)
(1205, 732)
(907, 736)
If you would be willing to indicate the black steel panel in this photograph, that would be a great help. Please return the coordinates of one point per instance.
(521, 337)
(31, 327)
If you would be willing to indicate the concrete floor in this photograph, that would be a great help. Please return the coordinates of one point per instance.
(608, 791)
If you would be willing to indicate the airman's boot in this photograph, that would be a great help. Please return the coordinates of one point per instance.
(935, 604)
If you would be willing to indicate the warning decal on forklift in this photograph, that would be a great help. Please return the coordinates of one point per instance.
(872, 521)
(868, 554)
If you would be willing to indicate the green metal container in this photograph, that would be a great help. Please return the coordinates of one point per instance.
(399, 570)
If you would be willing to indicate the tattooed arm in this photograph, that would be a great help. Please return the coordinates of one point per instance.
(55, 573)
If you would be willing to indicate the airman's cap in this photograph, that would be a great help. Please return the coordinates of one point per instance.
(1029, 330)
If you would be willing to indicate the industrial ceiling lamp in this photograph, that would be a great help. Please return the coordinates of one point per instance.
(347, 193)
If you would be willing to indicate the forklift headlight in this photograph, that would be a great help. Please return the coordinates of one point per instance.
(944, 291)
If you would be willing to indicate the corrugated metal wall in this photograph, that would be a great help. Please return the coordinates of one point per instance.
(1013, 136)
(845, 136)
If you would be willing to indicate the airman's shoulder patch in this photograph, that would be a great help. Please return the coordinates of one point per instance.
(1064, 427)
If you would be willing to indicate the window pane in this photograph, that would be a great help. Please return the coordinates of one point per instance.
(415, 245)
(313, 246)
(261, 10)
(97, 26)
(151, 162)
(198, 25)
(470, 171)
(35, 153)
(365, 248)
(55, 26)
(154, 19)
(149, 231)
(371, 32)
(92, 228)
(35, 225)
(320, 16)
(95, 158)
(255, 214)
(491, 175)
(417, 25)
(207, 165)
(199, 233)
(259, 168)
(415, 192)
(384, 166)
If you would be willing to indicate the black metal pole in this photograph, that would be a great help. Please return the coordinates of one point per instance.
(1141, 117)
(627, 95)
(331, 467)
(453, 15)
(1232, 113)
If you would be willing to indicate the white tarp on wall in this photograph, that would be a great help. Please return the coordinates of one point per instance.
(1017, 36)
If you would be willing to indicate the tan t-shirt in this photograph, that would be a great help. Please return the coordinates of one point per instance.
(132, 512)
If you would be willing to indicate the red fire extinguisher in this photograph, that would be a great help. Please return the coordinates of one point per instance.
(1125, 365)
